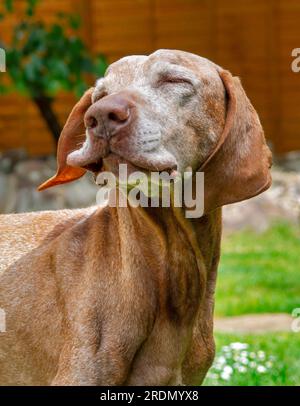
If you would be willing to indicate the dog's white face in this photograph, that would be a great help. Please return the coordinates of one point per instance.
(169, 110)
(157, 112)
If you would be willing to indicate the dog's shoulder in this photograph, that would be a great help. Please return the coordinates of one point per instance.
(23, 232)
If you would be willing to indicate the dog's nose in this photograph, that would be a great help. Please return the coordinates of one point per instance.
(108, 116)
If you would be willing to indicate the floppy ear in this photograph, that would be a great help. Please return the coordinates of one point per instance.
(72, 135)
(239, 166)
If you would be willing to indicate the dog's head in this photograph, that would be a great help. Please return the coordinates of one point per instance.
(169, 110)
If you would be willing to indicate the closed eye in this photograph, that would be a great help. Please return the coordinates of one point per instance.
(174, 80)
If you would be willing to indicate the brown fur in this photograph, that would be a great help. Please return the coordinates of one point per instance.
(124, 296)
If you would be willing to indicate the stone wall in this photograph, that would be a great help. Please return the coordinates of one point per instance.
(19, 181)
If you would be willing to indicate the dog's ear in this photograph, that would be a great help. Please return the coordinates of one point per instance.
(71, 138)
(239, 167)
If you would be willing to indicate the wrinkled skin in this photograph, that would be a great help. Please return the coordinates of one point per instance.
(124, 296)
(171, 99)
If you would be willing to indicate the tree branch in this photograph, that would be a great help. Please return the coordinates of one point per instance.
(44, 104)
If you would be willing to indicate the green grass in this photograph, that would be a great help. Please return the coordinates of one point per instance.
(283, 349)
(259, 273)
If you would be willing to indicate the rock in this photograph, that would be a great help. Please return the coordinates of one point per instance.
(9, 159)
(3, 188)
(81, 193)
(18, 188)
(33, 172)
(289, 162)
(8, 193)
(280, 203)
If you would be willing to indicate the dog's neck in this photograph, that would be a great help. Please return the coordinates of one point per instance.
(174, 235)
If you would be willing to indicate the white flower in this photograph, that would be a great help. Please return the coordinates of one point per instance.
(219, 367)
(261, 369)
(237, 358)
(226, 374)
(244, 360)
(213, 376)
(221, 360)
(238, 346)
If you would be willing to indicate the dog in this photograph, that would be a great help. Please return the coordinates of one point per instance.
(125, 295)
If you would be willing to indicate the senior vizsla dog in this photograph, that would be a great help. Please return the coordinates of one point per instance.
(125, 296)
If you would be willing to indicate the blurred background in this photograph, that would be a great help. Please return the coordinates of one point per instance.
(56, 49)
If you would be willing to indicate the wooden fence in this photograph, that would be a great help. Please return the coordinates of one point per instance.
(252, 38)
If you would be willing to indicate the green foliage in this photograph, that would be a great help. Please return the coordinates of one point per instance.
(259, 273)
(44, 59)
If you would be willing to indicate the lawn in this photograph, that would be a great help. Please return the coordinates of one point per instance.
(259, 273)
(256, 360)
